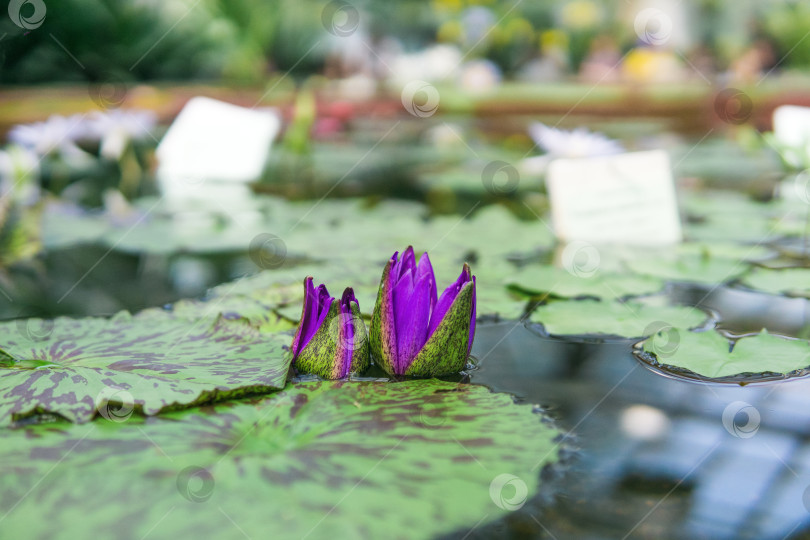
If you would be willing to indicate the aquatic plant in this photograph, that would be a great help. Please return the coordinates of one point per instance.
(412, 331)
(331, 337)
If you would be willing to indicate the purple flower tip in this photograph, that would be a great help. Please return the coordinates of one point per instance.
(316, 306)
(417, 311)
(347, 298)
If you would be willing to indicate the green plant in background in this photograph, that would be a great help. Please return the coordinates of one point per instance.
(19, 206)
(128, 40)
(244, 40)
(297, 138)
(787, 24)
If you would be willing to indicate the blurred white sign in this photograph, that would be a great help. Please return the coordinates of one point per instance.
(215, 141)
(626, 199)
(791, 127)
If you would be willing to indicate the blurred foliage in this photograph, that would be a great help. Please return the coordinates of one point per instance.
(789, 24)
(240, 40)
(133, 40)
(244, 40)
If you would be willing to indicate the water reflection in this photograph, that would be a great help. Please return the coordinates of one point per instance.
(656, 457)
(744, 311)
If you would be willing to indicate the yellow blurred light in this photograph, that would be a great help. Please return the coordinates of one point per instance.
(448, 6)
(498, 36)
(650, 65)
(580, 14)
(450, 32)
(553, 40)
(520, 29)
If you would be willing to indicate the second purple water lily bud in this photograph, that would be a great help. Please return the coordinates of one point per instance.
(331, 337)
(414, 332)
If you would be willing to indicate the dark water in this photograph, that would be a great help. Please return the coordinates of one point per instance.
(649, 456)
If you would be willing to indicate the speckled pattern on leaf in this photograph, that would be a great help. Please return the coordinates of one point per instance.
(159, 363)
(320, 460)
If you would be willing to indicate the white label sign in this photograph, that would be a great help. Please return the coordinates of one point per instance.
(623, 199)
(215, 141)
(791, 127)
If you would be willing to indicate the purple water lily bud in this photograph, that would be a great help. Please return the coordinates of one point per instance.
(331, 338)
(414, 332)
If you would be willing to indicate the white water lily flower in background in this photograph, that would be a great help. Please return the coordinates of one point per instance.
(434, 64)
(134, 123)
(115, 129)
(57, 134)
(558, 143)
(573, 144)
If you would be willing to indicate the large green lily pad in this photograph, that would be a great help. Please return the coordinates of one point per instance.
(625, 319)
(707, 354)
(318, 460)
(76, 367)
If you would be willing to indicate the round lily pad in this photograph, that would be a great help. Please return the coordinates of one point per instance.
(320, 459)
(708, 354)
(788, 281)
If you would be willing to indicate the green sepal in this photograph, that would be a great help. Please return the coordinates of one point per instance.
(359, 344)
(382, 339)
(322, 355)
(445, 352)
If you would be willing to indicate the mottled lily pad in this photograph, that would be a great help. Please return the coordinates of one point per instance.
(72, 367)
(259, 304)
(318, 460)
(707, 354)
(625, 319)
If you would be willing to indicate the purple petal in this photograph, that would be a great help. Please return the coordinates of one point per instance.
(317, 303)
(323, 296)
(446, 300)
(325, 302)
(412, 321)
(309, 317)
(472, 319)
(426, 269)
(348, 296)
(408, 262)
(395, 264)
(402, 292)
(348, 331)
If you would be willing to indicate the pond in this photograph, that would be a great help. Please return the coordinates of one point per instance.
(604, 398)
